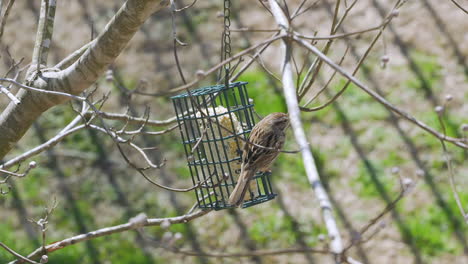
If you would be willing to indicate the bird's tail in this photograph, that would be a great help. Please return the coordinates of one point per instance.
(237, 196)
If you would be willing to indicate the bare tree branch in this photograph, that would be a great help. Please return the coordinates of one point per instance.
(44, 34)
(203, 74)
(11, 251)
(15, 120)
(132, 119)
(131, 225)
(11, 96)
(459, 6)
(456, 141)
(356, 68)
(262, 252)
(296, 124)
(70, 59)
(5, 15)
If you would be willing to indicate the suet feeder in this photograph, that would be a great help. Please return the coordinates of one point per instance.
(215, 123)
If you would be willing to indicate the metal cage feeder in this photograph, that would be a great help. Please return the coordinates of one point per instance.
(214, 123)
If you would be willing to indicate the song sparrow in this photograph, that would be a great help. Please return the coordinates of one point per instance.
(269, 133)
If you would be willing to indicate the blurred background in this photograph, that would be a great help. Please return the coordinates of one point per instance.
(356, 142)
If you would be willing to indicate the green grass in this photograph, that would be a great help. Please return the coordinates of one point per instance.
(183, 171)
(430, 69)
(427, 224)
(80, 141)
(265, 98)
(24, 246)
(58, 117)
(360, 106)
(285, 162)
(280, 229)
(18, 243)
(312, 235)
(36, 178)
(431, 232)
(393, 159)
(128, 250)
(327, 173)
(271, 228)
(70, 254)
(373, 187)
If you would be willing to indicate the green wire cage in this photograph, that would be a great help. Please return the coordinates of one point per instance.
(214, 123)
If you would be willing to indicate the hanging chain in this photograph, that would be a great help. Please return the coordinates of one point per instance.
(227, 38)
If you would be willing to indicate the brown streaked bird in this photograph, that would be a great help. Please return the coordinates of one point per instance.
(269, 133)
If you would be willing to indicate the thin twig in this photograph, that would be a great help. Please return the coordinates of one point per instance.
(113, 230)
(246, 29)
(70, 59)
(247, 64)
(14, 67)
(175, 41)
(262, 64)
(186, 7)
(79, 98)
(456, 141)
(5, 16)
(346, 13)
(41, 35)
(327, 83)
(403, 192)
(9, 95)
(459, 6)
(132, 119)
(203, 75)
(299, 12)
(448, 161)
(262, 252)
(31, 166)
(314, 68)
(11, 251)
(343, 35)
(153, 133)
